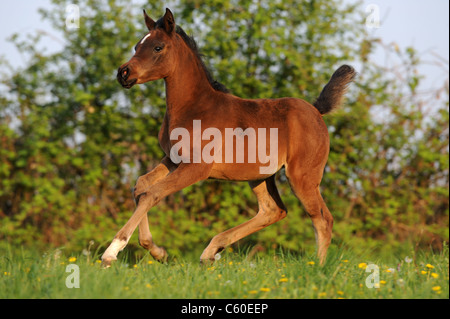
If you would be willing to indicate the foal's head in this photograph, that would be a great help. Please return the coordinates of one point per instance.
(154, 58)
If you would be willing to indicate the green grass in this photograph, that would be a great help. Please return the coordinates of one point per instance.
(30, 274)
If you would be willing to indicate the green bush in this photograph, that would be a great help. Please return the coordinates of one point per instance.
(73, 142)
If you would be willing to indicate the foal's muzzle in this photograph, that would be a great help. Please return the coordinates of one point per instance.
(123, 75)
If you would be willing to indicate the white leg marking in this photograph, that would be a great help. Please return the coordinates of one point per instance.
(114, 248)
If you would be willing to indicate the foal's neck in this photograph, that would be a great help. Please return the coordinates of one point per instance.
(188, 86)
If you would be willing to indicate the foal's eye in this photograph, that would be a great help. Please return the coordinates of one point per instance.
(158, 49)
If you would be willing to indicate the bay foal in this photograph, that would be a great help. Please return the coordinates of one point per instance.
(302, 142)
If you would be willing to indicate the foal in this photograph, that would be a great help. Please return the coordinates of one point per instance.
(296, 128)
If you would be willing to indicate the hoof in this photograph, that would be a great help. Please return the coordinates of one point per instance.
(107, 261)
(207, 262)
(160, 254)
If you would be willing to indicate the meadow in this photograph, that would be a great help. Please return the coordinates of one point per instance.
(238, 274)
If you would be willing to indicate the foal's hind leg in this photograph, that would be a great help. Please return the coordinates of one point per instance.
(306, 188)
(271, 210)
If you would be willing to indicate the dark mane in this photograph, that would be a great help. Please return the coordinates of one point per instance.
(190, 42)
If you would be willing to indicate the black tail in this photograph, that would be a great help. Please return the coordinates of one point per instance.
(332, 94)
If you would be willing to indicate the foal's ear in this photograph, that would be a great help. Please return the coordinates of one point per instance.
(149, 22)
(169, 21)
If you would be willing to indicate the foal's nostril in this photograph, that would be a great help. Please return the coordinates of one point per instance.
(125, 73)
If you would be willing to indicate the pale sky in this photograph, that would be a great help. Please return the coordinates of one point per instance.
(421, 24)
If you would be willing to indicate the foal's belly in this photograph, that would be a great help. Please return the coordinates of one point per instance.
(244, 171)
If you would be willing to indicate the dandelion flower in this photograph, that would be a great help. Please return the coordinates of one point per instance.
(436, 288)
(283, 279)
(264, 289)
(311, 263)
(344, 261)
(150, 262)
(429, 266)
(230, 263)
(72, 259)
(340, 293)
(423, 272)
(434, 275)
(362, 265)
(253, 292)
(383, 282)
(322, 294)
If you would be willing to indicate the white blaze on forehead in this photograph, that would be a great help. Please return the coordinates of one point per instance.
(145, 38)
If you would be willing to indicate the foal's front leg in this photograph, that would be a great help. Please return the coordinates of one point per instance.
(181, 177)
(145, 181)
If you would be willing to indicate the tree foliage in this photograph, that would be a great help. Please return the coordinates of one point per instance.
(73, 142)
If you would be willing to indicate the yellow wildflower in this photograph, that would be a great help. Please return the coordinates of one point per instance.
(311, 263)
(429, 266)
(423, 272)
(362, 265)
(72, 259)
(434, 275)
(436, 288)
(383, 282)
(264, 289)
(284, 279)
(252, 292)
